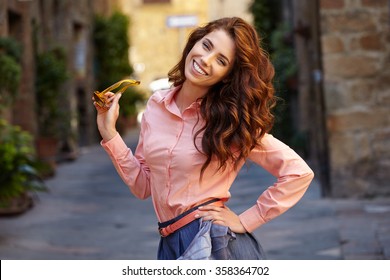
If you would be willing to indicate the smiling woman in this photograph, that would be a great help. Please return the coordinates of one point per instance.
(196, 136)
(208, 62)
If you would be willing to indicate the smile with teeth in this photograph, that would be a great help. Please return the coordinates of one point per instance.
(198, 69)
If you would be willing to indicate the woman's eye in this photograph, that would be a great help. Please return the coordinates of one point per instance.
(206, 46)
(222, 62)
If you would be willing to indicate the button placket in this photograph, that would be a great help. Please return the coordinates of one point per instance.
(180, 127)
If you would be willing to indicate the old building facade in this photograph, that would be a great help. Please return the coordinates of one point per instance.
(15, 22)
(355, 42)
(40, 25)
(343, 50)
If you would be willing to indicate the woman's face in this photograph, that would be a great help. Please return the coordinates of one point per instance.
(210, 59)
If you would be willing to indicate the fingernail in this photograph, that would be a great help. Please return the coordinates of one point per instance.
(200, 207)
(197, 216)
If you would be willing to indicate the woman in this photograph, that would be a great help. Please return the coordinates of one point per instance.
(197, 135)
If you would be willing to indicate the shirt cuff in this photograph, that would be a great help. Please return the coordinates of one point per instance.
(115, 146)
(251, 219)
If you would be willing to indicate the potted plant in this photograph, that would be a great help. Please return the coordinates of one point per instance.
(18, 177)
(112, 34)
(129, 103)
(51, 74)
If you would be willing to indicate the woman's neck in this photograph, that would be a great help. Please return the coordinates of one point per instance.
(188, 94)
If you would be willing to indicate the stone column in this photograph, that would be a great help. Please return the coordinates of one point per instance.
(311, 119)
(356, 57)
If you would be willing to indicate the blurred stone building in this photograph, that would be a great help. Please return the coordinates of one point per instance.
(46, 24)
(344, 56)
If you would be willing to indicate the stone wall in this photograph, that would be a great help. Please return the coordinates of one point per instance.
(15, 20)
(356, 61)
(57, 23)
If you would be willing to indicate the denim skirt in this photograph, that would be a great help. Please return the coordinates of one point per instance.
(202, 240)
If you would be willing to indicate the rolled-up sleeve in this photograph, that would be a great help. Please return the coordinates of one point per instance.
(132, 169)
(293, 178)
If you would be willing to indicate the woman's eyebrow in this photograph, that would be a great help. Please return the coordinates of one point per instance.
(212, 45)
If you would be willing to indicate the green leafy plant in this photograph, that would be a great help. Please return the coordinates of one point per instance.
(17, 158)
(265, 17)
(129, 100)
(111, 49)
(51, 74)
(128, 110)
(277, 39)
(10, 70)
(112, 60)
(286, 69)
(283, 55)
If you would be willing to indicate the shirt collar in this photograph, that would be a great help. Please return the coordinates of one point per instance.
(168, 97)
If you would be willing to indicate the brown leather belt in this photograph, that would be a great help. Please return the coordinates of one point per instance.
(187, 218)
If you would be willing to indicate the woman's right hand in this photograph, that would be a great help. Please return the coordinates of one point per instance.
(106, 119)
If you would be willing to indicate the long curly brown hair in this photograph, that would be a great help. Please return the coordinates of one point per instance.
(237, 110)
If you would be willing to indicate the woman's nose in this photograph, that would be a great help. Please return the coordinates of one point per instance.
(206, 59)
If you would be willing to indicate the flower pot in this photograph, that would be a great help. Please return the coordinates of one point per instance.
(16, 205)
(47, 148)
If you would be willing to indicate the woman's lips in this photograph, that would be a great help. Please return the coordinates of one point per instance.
(198, 69)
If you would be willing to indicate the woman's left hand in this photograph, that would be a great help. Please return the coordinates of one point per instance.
(221, 216)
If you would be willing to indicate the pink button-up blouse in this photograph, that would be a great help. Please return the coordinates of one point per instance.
(166, 166)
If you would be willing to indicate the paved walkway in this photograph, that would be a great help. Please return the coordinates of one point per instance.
(90, 214)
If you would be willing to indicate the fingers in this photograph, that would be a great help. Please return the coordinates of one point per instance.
(98, 108)
(117, 97)
(222, 216)
(109, 94)
(111, 99)
(210, 213)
